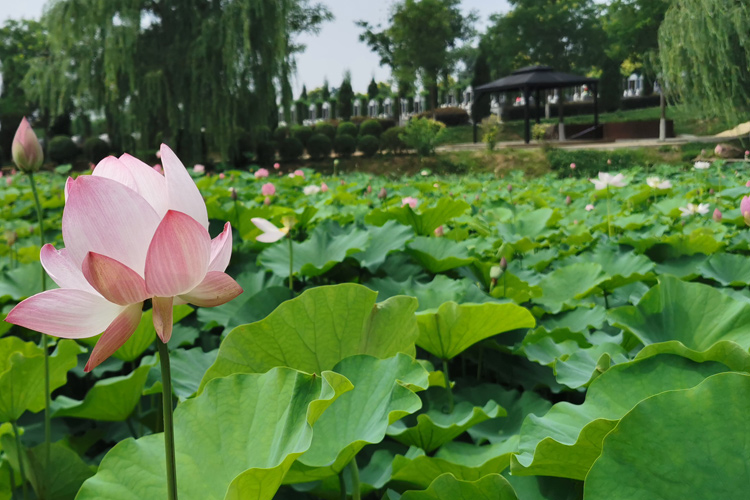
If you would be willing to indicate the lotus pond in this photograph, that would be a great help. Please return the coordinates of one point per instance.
(507, 338)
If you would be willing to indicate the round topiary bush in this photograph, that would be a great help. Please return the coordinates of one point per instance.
(345, 145)
(291, 149)
(262, 133)
(302, 133)
(265, 153)
(95, 149)
(280, 134)
(62, 149)
(391, 141)
(347, 128)
(371, 127)
(326, 129)
(369, 145)
(319, 146)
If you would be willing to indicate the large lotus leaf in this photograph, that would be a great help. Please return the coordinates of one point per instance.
(447, 487)
(433, 294)
(577, 320)
(563, 286)
(187, 367)
(316, 330)
(727, 269)
(327, 246)
(22, 374)
(383, 393)
(424, 222)
(700, 240)
(581, 367)
(438, 255)
(685, 267)
(434, 426)
(391, 237)
(529, 225)
(679, 444)
(566, 441)
(145, 334)
(236, 440)
(514, 288)
(453, 328)
(61, 478)
(690, 319)
(544, 487)
(23, 281)
(464, 461)
(374, 476)
(621, 266)
(111, 399)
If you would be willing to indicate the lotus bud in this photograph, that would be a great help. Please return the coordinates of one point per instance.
(745, 209)
(495, 272)
(476, 198)
(510, 188)
(11, 237)
(439, 231)
(26, 150)
(718, 150)
(369, 189)
(572, 166)
(609, 162)
(324, 188)
(503, 263)
(717, 215)
(222, 176)
(568, 200)
(233, 193)
(343, 183)
(383, 193)
(711, 191)
(267, 200)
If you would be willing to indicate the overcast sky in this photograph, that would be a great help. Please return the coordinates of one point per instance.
(328, 54)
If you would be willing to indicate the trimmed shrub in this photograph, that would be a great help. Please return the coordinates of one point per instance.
(386, 123)
(265, 153)
(391, 140)
(347, 128)
(62, 149)
(326, 129)
(302, 133)
(280, 134)
(369, 145)
(345, 145)
(95, 149)
(370, 127)
(291, 149)
(423, 135)
(450, 117)
(319, 146)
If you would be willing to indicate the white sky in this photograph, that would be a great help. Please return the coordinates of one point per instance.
(328, 54)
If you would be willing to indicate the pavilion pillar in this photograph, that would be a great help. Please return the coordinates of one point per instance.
(538, 108)
(560, 116)
(526, 117)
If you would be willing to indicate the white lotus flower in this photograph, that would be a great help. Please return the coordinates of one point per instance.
(606, 180)
(310, 190)
(271, 233)
(656, 183)
(702, 165)
(692, 209)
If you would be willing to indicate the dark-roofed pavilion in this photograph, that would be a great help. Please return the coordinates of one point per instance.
(534, 79)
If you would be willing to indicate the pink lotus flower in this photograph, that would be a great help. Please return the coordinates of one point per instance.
(572, 166)
(412, 202)
(199, 169)
(8, 181)
(717, 215)
(299, 173)
(747, 153)
(745, 209)
(747, 184)
(222, 176)
(439, 231)
(718, 149)
(26, 150)
(589, 207)
(324, 188)
(261, 173)
(276, 166)
(268, 189)
(130, 235)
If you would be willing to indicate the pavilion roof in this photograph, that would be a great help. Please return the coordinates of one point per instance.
(535, 78)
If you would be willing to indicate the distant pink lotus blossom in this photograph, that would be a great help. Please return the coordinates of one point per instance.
(299, 173)
(261, 173)
(589, 207)
(411, 201)
(222, 176)
(717, 215)
(324, 188)
(568, 200)
(8, 181)
(268, 189)
(572, 166)
(439, 231)
(276, 166)
(747, 184)
(199, 169)
(718, 149)
(609, 162)
(369, 189)
(745, 209)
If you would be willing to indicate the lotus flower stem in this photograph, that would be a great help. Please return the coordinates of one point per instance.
(447, 377)
(291, 266)
(19, 453)
(166, 396)
(609, 217)
(45, 340)
(354, 471)
(342, 485)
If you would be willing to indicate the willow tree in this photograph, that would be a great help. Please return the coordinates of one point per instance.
(183, 71)
(705, 58)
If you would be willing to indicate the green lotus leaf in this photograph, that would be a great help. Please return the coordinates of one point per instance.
(328, 245)
(259, 424)
(187, 367)
(433, 294)
(544, 487)
(529, 225)
(316, 330)
(447, 487)
(727, 269)
(577, 320)
(23, 281)
(621, 266)
(701, 240)
(111, 399)
(689, 319)
(383, 393)
(434, 427)
(562, 287)
(424, 222)
(22, 374)
(453, 328)
(566, 441)
(438, 255)
(391, 237)
(679, 444)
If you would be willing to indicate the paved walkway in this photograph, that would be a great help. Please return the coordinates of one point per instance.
(600, 145)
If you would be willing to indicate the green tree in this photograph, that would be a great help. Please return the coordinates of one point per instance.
(303, 94)
(482, 74)
(372, 89)
(346, 97)
(705, 59)
(325, 92)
